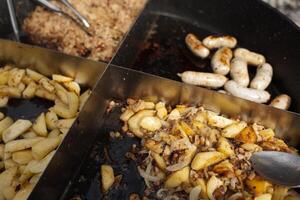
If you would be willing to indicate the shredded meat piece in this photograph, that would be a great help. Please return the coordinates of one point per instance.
(109, 20)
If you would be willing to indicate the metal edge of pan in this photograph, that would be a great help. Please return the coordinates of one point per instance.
(87, 73)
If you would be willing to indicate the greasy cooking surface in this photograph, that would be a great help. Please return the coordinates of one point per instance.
(25, 109)
(109, 20)
(88, 186)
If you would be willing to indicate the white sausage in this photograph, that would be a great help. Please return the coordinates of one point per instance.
(239, 72)
(223, 92)
(258, 96)
(251, 57)
(212, 42)
(196, 47)
(203, 79)
(263, 77)
(220, 62)
(282, 101)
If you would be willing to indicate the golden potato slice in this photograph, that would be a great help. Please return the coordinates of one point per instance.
(142, 105)
(9, 192)
(46, 84)
(9, 163)
(159, 160)
(25, 176)
(10, 91)
(275, 145)
(125, 116)
(21, 87)
(51, 119)
(30, 90)
(154, 146)
(184, 159)
(29, 134)
(42, 93)
(24, 193)
(1, 116)
(150, 123)
(205, 159)
(45, 146)
(61, 79)
(200, 182)
(267, 134)
(69, 111)
(215, 120)
(39, 126)
(54, 133)
(38, 166)
(73, 87)
(224, 168)
(258, 185)
(15, 77)
(1, 151)
(7, 177)
(264, 197)
(212, 184)
(251, 147)
(177, 178)
(107, 177)
(134, 121)
(201, 117)
(280, 192)
(4, 77)
(3, 101)
(161, 110)
(35, 179)
(65, 123)
(185, 128)
(15, 130)
(234, 129)
(18, 145)
(247, 135)
(225, 147)
(26, 79)
(174, 114)
(22, 157)
(4, 124)
(34, 75)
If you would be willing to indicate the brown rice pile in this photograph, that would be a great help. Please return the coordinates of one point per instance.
(109, 20)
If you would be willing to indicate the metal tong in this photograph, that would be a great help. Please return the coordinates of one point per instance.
(80, 20)
(13, 19)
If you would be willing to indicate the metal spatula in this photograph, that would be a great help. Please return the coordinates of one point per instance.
(13, 20)
(278, 167)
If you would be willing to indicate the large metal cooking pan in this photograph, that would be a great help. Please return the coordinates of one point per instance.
(128, 83)
(156, 43)
(48, 62)
(165, 22)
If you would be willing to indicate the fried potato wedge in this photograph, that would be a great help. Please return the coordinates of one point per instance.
(39, 126)
(107, 177)
(15, 130)
(177, 178)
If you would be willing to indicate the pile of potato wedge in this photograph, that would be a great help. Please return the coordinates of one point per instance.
(26, 147)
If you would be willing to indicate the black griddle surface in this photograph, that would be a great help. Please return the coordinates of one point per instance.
(26, 109)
